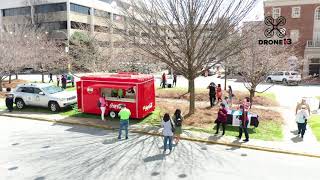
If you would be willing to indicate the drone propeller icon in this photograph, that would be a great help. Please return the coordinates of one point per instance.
(270, 21)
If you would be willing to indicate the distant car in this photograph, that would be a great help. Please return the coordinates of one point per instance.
(43, 95)
(286, 77)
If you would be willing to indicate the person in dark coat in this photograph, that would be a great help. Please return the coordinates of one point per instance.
(174, 80)
(64, 81)
(222, 118)
(245, 107)
(212, 94)
(50, 78)
(163, 80)
(9, 100)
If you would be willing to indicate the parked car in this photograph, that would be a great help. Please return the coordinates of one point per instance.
(43, 95)
(286, 77)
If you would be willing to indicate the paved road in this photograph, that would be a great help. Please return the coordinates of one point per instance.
(42, 151)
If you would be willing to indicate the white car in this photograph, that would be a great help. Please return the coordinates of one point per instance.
(286, 77)
(43, 95)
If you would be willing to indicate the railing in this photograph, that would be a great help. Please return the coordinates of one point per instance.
(313, 44)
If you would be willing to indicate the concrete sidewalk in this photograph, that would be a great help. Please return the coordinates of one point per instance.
(296, 147)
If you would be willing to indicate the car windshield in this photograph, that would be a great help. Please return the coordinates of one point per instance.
(52, 89)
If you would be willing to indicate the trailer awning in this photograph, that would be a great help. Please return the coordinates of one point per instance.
(113, 86)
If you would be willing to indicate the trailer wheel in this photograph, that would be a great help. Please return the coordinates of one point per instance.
(113, 114)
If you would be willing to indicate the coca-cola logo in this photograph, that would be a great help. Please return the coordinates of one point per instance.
(146, 108)
(115, 106)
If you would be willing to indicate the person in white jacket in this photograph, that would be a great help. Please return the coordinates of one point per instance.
(301, 119)
(167, 132)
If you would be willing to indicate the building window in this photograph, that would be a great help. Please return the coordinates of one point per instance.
(276, 12)
(317, 13)
(54, 25)
(47, 8)
(80, 9)
(294, 35)
(100, 13)
(102, 29)
(295, 12)
(17, 11)
(81, 26)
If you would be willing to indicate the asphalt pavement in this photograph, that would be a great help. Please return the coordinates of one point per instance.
(42, 151)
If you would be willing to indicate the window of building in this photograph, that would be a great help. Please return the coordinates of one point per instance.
(100, 13)
(317, 13)
(103, 29)
(17, 11)
(118, 18)
(119, 31)
(54, 25)
(78, 25)
(47, 8)
(295, 12)
(80, 9)
(294, 35)
(276, 12)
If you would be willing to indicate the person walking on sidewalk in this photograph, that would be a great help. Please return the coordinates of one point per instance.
(212, 93)
(167, 132)
(222, 119)
(301, 119)
(102, 105)
(244, 119)
(50, 78)
(124, 115)
(9, 99)
(177, 119)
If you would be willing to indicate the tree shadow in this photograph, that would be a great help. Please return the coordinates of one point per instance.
(40, 178)
(13, 168)
(157, 157)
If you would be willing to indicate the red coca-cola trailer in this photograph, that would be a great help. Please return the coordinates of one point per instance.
(138, 93)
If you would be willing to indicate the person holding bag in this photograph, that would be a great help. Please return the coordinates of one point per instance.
(177, 119)
(168, 130)
(221, 119)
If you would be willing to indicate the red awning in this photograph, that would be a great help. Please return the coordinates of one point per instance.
(112, 86)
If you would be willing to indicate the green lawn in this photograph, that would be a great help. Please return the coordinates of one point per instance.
(268, 95)
(318, 97)
(152, 119)
(314, 123)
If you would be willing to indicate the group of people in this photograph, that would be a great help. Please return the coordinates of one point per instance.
(215, 93)
(164, 81)
(63, 79)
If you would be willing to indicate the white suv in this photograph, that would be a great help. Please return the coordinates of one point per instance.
(286, 77)
(43, 95)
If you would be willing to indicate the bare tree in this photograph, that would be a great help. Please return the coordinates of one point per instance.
(186, 34)
(257, 61)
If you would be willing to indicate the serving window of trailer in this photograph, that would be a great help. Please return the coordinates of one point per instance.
(122, 93)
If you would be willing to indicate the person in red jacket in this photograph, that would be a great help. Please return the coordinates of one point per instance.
(222, 118)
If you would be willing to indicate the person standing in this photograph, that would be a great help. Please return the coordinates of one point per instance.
(245, 107)
(301, 119)
(103, 105)
(50, 78)
(225, 101)
(230, 95)
(212, 93)
(64, 81)
(167, 132)
(222, 119)
(177, 119)
(124, 115)
(174, 80)
(163, 80)
(219, 93)
(9, 99)
(72, 81)
(58, 80)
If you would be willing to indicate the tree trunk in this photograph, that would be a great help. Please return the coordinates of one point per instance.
(252, 94)
(189, 86)
(42, 76)
(0, 84)
(192, 97)
(10, 78)
(225, 80)
(16, 75)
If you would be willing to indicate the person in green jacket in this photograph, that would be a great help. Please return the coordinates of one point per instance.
(120, 93)
(124, 115)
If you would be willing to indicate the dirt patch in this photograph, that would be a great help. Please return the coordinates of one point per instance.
(205, 116)
(13, 84)
(202, 95)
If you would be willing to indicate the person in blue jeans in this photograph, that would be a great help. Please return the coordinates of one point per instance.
(124, 115)
(167, 132)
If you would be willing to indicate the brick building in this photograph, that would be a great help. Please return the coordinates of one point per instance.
(302, 26)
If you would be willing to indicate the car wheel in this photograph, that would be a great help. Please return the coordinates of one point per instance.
(269, 80)
(20, 103)
(113, 114)
(285, 82)
(54, 107)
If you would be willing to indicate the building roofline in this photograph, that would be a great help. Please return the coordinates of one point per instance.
(272, 3)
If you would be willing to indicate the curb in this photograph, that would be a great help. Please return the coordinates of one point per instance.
(258, 148)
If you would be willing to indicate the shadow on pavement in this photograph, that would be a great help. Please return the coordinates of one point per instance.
(296, 139)
(157, 157)
(295, 132)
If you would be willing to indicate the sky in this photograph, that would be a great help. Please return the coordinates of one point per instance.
(257, 12)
